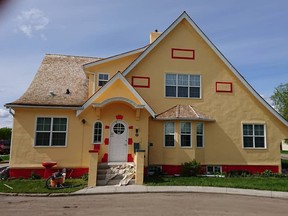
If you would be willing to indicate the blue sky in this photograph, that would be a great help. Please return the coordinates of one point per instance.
(252, 34)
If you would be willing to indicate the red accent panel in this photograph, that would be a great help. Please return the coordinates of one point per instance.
(97, 147)
(130, 141)
(106, 141)
(177, 53)
(130, 127)
(171, 169)
(93, 151)
(119, 117)
(141, 79)
(26, 173)
(105, 158)
(251, 168)
(130, 158)
(107, 126)
(226, 87)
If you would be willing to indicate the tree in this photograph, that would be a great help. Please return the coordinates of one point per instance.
(280, 99)
(5, 133)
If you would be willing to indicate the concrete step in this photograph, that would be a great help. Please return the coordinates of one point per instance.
(113, 182)
(103, 177)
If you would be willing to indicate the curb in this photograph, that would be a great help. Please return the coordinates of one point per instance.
(132, 189)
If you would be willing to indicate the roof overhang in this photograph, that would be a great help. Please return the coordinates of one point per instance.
(42, 106)
(119, 99)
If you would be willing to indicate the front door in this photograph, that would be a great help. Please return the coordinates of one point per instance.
(118, 142)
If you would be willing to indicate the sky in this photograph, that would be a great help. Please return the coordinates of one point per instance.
(252, 35)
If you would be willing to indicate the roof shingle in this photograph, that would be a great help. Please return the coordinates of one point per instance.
(56, 74)
(183, 112)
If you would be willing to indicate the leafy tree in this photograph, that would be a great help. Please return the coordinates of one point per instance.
(5, 133)
(280, 99)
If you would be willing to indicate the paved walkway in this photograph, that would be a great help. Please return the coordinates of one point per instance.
(178, 189)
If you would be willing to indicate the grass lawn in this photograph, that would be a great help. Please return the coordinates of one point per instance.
(284, 152)
(4, 157)
(259, 183)
(38, 186)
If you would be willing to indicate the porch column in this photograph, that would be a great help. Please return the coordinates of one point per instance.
(139, 161)
(93, 164)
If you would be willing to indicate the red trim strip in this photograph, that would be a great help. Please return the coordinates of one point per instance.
(175, 56)
(134, 78)
(229, 85)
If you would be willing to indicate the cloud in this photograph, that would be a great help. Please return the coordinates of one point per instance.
(4, 113)
(31, 22)
(5, 119)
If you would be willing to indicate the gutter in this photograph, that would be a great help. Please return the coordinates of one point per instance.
(41, 107)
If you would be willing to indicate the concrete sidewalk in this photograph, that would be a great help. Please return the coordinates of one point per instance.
(178, 189)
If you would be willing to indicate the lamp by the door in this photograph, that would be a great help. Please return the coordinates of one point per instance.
(136, 131)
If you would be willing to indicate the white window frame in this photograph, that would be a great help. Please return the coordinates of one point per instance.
(254, 136)
(177, 85)
(190, 146)
(51, 132)
(164, 135)
(98, 78)
(203, 144)
(93, 132)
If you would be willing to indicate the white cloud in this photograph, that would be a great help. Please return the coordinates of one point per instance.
(4, 113)
(32, 21)
(5, 119)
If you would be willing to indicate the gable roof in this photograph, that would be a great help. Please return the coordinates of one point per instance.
(183, 112)
(117, 76)
(185, 16)
(56, 74)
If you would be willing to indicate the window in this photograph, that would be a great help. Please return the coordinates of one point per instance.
(169, 134)
(213, 169)
(97, 132)
(51, 131)
(200, 135)
(102, 79)
(254, 136)
(185, 134)
(183, 86)
(119, 128)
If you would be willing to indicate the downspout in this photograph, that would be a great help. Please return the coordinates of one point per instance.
(12, 112)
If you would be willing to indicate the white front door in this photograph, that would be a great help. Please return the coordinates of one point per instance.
(118, 142)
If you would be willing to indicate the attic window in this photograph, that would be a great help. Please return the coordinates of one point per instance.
(102, 79)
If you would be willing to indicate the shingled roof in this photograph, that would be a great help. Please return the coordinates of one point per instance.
(56, 74)
(183, 112)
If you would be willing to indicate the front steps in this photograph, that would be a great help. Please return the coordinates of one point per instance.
(104, 170)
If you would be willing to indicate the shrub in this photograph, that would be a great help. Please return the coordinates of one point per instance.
(85, 177)
(35, 176)
(192, 168)
(238, 173)
(267, 173)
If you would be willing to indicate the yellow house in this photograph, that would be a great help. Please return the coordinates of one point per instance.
(176, 99)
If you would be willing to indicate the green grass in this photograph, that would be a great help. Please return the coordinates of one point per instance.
(284, 152)
(4, 157)
(259, 183)
(38, 186)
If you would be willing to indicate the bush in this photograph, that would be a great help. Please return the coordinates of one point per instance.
(35, 176)
(192, 168)
(238, 173)
(267, 173)
(85, 177)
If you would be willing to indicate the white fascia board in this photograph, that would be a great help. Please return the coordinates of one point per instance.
(85, 66)
(107, 85)
(185, 16)
(42, 107)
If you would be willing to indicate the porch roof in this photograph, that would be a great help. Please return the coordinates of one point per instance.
(183, 112)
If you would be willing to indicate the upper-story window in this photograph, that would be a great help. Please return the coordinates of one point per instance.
(254, 136)
(102, 79)
(183, 85)
(51, 131)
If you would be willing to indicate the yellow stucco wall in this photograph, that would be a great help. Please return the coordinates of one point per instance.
(110, 67)
(223, 138)
(24, 154)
